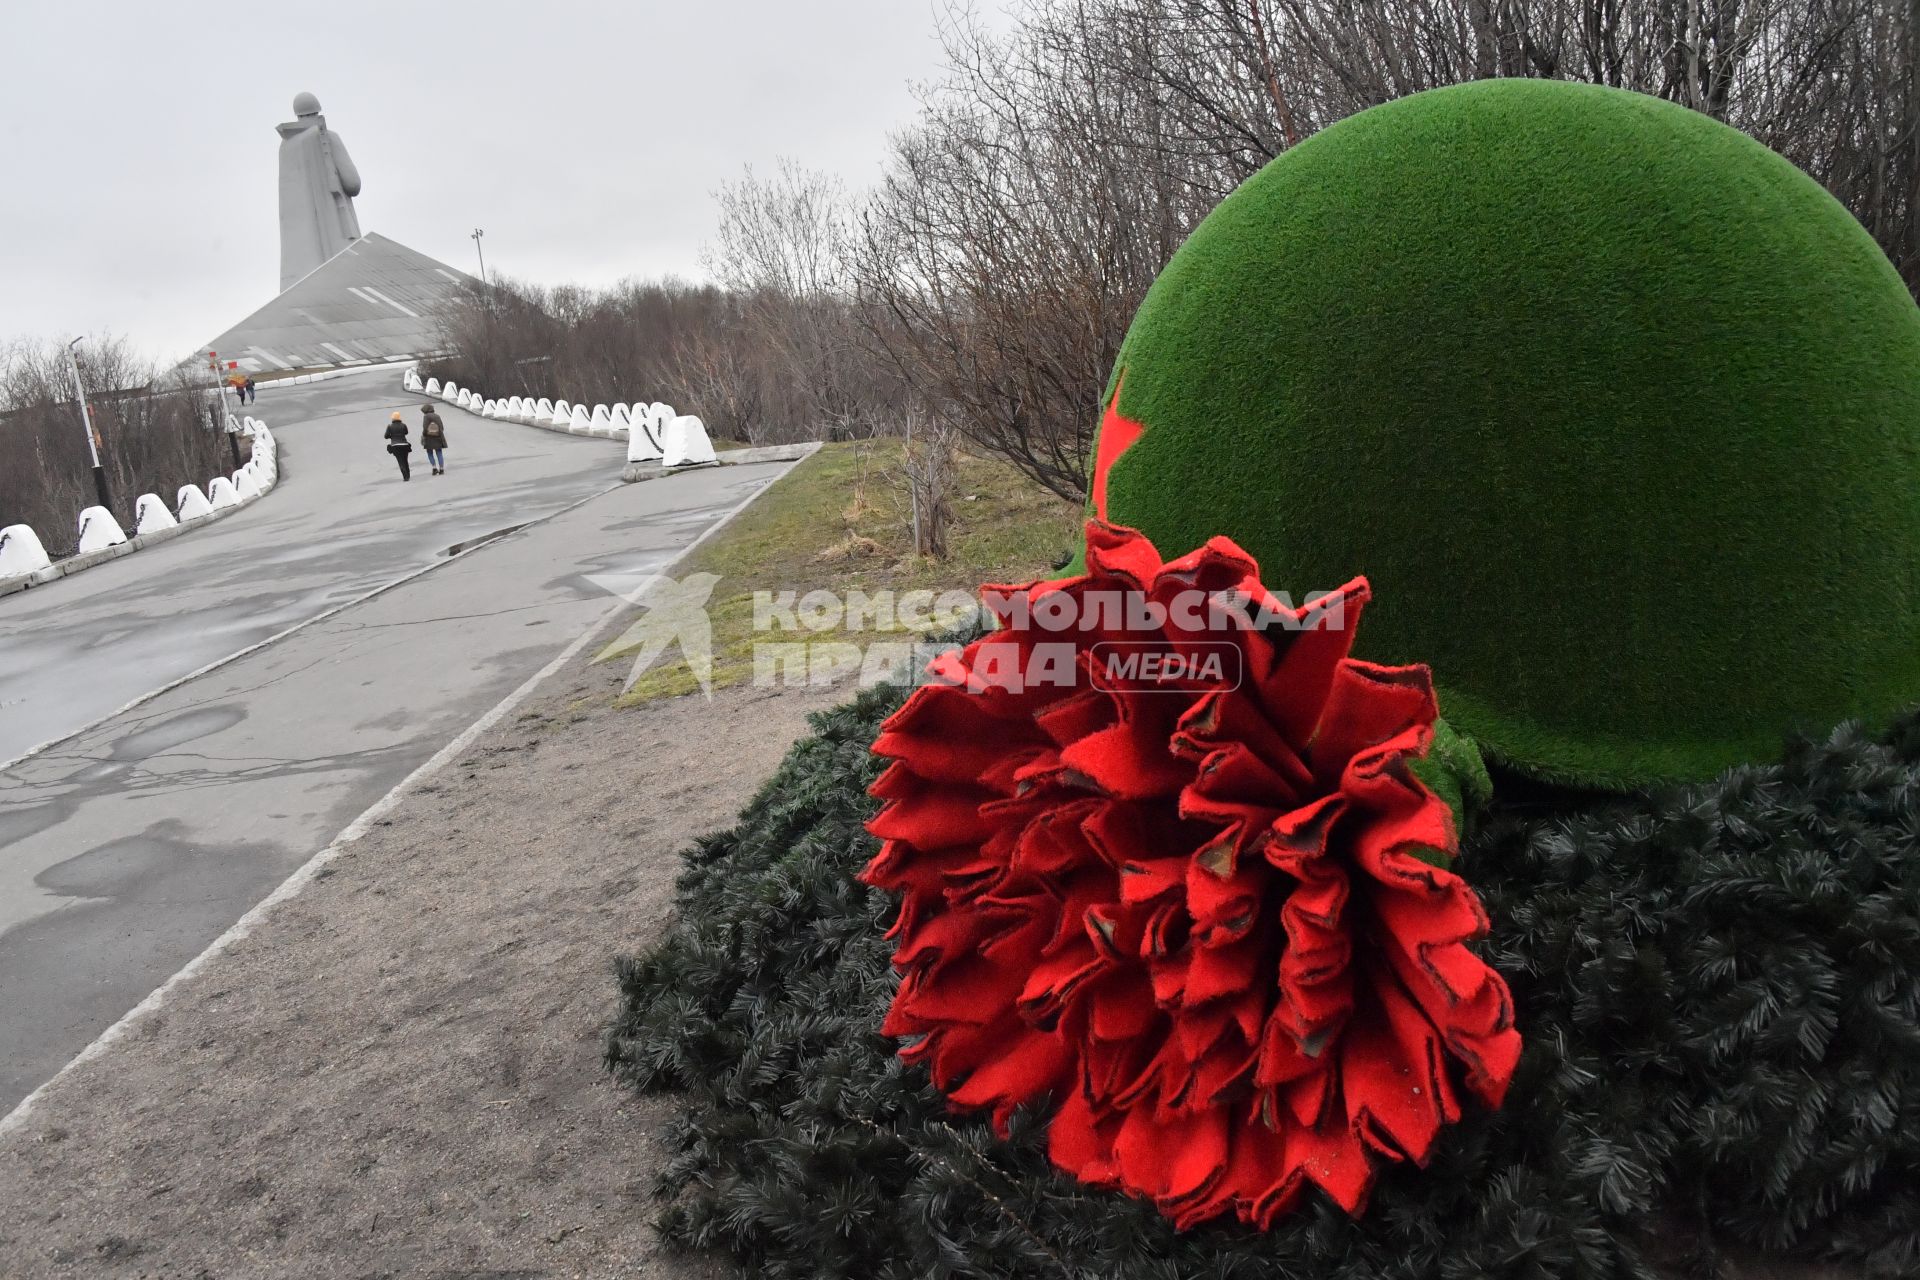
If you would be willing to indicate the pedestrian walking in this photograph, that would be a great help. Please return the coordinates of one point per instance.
(252, 395)
(398, 444)
(433, 438)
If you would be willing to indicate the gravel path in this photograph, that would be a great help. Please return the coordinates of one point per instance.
(398, 1073)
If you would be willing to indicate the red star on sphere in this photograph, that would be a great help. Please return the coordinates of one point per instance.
(1116, 434)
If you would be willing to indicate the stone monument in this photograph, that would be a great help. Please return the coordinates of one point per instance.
(346, 298)
(317, 185)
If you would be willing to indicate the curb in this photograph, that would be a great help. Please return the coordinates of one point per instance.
(637, 472)
(559, 431)
(340, 371)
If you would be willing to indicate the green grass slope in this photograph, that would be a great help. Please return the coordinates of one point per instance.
(1619, 411)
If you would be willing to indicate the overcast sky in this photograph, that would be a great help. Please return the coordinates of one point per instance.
(139, 144)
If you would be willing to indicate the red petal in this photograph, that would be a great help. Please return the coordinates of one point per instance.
(1295, 693)
(1393, 1076)
(1172, 1160)
(1028, 1067)
(1081, 1142)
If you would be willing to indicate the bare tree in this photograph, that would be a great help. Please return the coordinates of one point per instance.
(1054, 170)
(151, 428)
(782, 247)
(928, 472)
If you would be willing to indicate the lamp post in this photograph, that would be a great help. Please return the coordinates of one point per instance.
(86, 424)
(475, 237)
(217, 407)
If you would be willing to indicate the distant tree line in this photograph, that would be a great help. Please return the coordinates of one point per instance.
(151, 425)
(987, 280)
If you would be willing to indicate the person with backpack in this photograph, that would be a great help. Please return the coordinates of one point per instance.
(433, 438)
(398, 445)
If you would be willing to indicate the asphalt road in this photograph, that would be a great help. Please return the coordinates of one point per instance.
(340, 523)
(126, 849)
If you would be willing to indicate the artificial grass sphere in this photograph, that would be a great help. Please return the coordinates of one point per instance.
(1618, 411)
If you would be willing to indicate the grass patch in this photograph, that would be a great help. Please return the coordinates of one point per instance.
(840, 521)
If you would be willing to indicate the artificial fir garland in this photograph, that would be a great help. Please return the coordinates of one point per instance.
(1718, 987)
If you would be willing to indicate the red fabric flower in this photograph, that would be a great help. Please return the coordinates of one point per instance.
(1204, 918)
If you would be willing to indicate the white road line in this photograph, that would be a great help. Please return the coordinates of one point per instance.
(304, 876)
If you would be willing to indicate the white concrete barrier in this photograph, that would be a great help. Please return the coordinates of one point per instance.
(516, 408)
(580, 422)
(562, 414)
(686, 443)
(220, 493)
(450, 393)
(641, 445)
(486, 408)
(622, 419)
(543, 410)
(433, 386)
(151, 515)
(658, 416)
(99, 530)
(601, 424)
(245, 486)
(191, 504)
(21, 552)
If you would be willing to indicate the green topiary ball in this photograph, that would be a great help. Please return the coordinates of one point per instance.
(1618, 410)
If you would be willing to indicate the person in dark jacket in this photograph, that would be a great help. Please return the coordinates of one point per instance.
(433, 438)
(399, 446)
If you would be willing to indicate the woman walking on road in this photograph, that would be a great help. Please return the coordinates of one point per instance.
(398, 445)
(433, 438)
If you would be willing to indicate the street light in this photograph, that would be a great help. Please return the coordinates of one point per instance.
(86, 424)
(475, 237)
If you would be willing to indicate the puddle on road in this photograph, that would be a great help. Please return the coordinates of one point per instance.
(176, 731)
